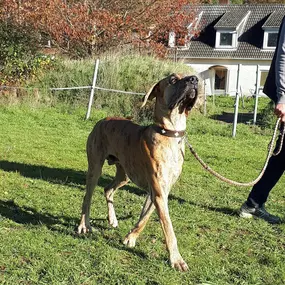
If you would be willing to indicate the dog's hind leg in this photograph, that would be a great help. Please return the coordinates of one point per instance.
(130, 239)
(93, 174)
(120, 180)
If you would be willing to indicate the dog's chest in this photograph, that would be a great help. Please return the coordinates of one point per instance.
(162, 161)
(171, 160)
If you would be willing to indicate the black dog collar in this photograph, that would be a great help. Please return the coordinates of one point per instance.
(168, 133)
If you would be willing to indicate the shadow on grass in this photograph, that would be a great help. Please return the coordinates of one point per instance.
(229, 117)
(223, 210)
(62, 224)
(68, 177)
(27, 215)
(61, 176)
(76, 179)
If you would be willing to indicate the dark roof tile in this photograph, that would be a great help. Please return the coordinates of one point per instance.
(230, 19)
(249, 42)
(274, 20)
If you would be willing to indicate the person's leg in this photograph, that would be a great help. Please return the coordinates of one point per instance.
(272, 174)
(254, 206)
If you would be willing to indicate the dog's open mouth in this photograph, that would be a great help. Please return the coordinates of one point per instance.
(186, 94)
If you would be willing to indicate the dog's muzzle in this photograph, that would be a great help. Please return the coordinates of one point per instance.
(192, 84)
(185, 95)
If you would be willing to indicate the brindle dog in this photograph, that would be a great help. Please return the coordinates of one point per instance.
(151, 157)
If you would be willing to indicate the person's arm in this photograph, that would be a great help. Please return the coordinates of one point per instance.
(280, 74)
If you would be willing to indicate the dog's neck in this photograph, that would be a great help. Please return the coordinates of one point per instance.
(173, 120)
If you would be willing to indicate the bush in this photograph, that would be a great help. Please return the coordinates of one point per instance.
(19, 59)
(267, 118)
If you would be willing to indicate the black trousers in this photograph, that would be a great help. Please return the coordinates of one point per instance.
(272, 174)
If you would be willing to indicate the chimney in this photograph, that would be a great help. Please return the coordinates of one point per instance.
(224, 2)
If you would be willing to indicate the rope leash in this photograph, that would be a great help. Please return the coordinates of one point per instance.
(246, 184)
(282, 132)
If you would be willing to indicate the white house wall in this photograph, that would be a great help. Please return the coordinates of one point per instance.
(248, 72)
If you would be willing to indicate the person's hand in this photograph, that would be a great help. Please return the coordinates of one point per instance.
(280, 111)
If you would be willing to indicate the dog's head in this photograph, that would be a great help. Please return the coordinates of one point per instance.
(175, 91)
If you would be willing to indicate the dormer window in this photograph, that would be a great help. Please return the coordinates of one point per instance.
(270, 39)
(270, 28)
(175, 40)
(229, 28)
(171, 39)
(226, 39)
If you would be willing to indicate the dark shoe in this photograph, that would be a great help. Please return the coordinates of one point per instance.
(258, 212)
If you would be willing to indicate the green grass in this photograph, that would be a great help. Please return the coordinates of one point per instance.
(132, 72)
(42, 173)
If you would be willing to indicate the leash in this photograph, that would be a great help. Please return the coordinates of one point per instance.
(282, 133)
(270, 153)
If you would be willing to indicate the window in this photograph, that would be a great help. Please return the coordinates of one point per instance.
(263, 76)
(220, 79)
(226, 39)
(171, 39)
(218, 76)
(177, 40)
(272, 39)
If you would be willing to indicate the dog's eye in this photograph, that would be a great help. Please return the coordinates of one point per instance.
(173, 80)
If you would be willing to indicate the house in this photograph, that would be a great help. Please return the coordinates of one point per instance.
(233, 51)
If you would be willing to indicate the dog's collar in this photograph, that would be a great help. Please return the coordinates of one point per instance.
(168, 133)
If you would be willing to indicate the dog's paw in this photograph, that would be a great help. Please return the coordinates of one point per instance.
(130, 240)
(113, 222)
(180, 265)
(83, 229)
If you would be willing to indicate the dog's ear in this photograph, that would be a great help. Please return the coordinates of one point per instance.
(150, 94)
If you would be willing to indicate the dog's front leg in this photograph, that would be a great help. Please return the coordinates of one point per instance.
(161, 203)
(148, 208)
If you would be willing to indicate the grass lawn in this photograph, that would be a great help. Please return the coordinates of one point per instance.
(42, 177)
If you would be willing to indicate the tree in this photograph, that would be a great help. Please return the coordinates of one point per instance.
(87, 26)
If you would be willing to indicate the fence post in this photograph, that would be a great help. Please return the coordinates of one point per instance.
(92, 89)
(256, 95)
(237, 102)
(205, 99)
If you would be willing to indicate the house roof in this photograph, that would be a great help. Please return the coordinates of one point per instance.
(230, 19)
(250, 40)
(274, 20)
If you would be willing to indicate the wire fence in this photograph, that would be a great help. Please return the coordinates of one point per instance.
(73, 88)
(92, 89)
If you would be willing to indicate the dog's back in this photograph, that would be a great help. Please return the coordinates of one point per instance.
(113, 135)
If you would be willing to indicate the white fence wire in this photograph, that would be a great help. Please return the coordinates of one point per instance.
(92, 87)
